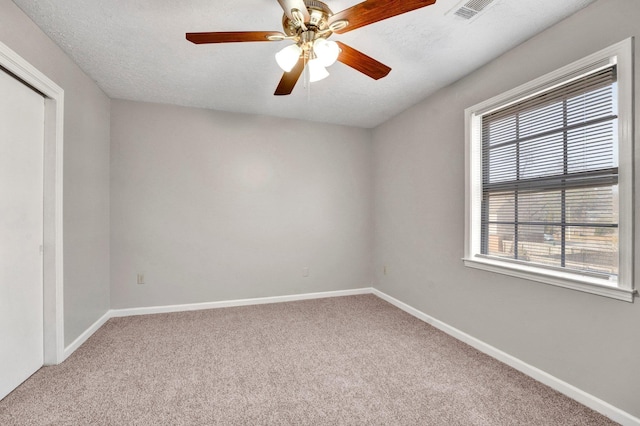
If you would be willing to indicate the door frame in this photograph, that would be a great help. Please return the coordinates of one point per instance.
(52, 261)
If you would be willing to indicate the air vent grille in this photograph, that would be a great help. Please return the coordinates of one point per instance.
(465, 13)
(471, 8)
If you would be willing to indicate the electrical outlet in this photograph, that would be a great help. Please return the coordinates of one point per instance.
(305, 271)
(140, 278)
(384, 269)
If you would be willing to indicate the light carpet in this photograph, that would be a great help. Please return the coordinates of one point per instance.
(353, 360)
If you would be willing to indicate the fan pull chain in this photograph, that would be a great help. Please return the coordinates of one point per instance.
(308, 76)
(305, 77)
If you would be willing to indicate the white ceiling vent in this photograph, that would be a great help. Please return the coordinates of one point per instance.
(470, 9)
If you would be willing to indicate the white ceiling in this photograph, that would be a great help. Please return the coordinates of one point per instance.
(137, 50)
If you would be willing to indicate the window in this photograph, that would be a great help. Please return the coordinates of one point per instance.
(549, 178)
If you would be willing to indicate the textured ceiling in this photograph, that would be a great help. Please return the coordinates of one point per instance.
(137, 50)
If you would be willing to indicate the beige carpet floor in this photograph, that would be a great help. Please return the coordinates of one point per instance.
(338, 361)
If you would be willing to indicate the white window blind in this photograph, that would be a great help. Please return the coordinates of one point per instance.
(550, 178)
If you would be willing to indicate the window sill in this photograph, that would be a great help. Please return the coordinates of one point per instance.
(586, 284)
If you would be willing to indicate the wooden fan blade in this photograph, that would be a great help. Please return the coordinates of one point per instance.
(371, 11)
(289, 5)
(232, 37)
(361, 62)
(289, 79)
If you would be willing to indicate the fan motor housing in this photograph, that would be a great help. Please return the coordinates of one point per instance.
(319, 14)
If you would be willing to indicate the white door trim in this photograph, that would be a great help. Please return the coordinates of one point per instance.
(53, 277)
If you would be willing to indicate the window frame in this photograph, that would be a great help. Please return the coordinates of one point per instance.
(619, 54)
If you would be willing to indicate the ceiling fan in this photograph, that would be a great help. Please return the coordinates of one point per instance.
(309, 23)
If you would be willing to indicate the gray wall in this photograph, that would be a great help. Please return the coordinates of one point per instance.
(86, 171)
(216, 206)
(589, 341)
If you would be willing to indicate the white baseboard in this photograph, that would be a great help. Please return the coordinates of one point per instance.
(85, 335)
(553, 382)
(238, 302)
(114, 313)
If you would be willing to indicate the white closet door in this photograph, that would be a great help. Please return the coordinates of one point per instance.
(21, 219)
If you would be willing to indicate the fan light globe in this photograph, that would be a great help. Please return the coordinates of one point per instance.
(327, 51)
(288, 57)
(317, 71)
